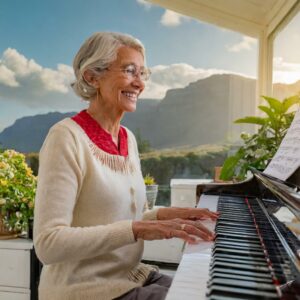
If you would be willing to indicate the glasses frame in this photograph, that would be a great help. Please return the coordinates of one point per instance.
(136, 72)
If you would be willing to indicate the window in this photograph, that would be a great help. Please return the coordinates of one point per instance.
(286, 62)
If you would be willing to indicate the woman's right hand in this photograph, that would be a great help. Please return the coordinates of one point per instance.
(177, 228)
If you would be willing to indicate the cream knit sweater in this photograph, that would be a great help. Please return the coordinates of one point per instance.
(85, 203)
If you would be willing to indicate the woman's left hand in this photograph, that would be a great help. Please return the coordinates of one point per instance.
(169, 213)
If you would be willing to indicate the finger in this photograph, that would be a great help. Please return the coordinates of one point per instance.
(210, 214)
(185, 236)
(203, 214)
(207, 226)
(200, 231)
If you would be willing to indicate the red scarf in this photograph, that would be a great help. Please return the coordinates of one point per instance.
(100, 137)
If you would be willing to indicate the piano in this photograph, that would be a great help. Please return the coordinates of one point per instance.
(256, 252)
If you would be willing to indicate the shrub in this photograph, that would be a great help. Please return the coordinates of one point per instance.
(17, 191)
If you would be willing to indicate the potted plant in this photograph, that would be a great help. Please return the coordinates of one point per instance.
(17, 192)
(259, 148)
(151, 190)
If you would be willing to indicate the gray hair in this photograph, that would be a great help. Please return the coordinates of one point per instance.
(96, 54)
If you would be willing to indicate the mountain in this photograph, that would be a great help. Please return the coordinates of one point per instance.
(28, 133)
(281, 90)
(201, 113)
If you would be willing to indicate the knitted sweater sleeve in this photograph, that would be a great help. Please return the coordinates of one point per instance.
(59, 181)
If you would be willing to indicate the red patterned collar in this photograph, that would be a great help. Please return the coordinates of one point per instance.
(100, 137)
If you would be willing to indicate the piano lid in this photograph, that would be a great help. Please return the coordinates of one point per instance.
(286, 191)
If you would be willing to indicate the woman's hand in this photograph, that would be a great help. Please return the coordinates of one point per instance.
(169, 213)
(177, 228)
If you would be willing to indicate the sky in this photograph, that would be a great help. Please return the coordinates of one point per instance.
(38, 40)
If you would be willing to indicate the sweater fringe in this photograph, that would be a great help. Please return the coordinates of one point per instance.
(139, 275)
(116, 163)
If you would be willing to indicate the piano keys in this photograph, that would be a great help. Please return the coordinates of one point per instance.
(254, 255)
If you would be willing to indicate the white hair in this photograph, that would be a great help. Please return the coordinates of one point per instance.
(96, 54)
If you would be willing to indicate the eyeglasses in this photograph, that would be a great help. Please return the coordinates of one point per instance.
(132, 71)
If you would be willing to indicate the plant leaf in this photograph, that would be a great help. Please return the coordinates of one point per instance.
(252, 120)
(229, 165)
(288, 102)
(274, 104)
(271, 115)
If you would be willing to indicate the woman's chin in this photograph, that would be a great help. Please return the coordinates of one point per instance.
(131, 108)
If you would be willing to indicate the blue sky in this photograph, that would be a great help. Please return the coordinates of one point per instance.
(40, 38)
(50, 32)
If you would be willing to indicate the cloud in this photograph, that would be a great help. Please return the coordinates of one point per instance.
(173, 76)
(23, 80)
(172, 19)
(246, 44)
(7, 76)
(144, 3)
(285, 72)
(26, 83)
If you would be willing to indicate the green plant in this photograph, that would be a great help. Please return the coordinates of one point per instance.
(17, 191)
(260, 147)
(149, 180)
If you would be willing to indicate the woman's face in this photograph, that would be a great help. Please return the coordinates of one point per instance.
(117, 88)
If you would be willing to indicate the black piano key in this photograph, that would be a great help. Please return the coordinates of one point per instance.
(253, 260)
(241, 293)
(248, 267)
(237, 251)
(237, 240)
(239, 261)
(241, 277)
(238, 235)
(237, 244)
(252, 285)
(240, 272)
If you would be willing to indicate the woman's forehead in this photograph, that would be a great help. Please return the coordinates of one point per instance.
(128, 55)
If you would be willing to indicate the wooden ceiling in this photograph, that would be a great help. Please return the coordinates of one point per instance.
(250, 17)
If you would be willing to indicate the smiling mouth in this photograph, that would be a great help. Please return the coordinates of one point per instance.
(130, 96)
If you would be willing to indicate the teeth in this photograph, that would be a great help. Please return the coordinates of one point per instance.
(132, 96)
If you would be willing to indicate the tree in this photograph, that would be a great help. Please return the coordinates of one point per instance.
(143, 145)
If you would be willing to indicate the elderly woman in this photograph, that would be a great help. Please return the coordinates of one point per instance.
(90, 221)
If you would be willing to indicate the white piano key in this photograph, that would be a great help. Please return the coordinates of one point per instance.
(192, 273)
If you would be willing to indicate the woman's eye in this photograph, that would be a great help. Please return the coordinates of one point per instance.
(130, 70)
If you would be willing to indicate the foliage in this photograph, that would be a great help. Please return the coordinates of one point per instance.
(149, 180)
(165, 165)
(143, 145)
(259, 148)
(17, 191)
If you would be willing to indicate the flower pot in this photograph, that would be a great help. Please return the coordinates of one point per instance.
(151, 194)
(4, 232)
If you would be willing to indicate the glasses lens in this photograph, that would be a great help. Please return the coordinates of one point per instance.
(145, 74)
(133, 71)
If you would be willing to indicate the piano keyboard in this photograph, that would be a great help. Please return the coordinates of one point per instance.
(246, 260)
(240, 266)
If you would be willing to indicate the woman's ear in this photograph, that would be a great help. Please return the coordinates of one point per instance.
(90, 77)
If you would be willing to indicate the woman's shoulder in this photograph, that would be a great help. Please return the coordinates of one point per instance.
(64, 125)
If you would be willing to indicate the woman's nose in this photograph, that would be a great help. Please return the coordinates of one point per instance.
(138, 82)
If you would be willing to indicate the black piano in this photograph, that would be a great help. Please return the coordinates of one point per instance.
(256, 253)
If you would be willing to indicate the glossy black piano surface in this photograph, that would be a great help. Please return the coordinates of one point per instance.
(255, 254)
